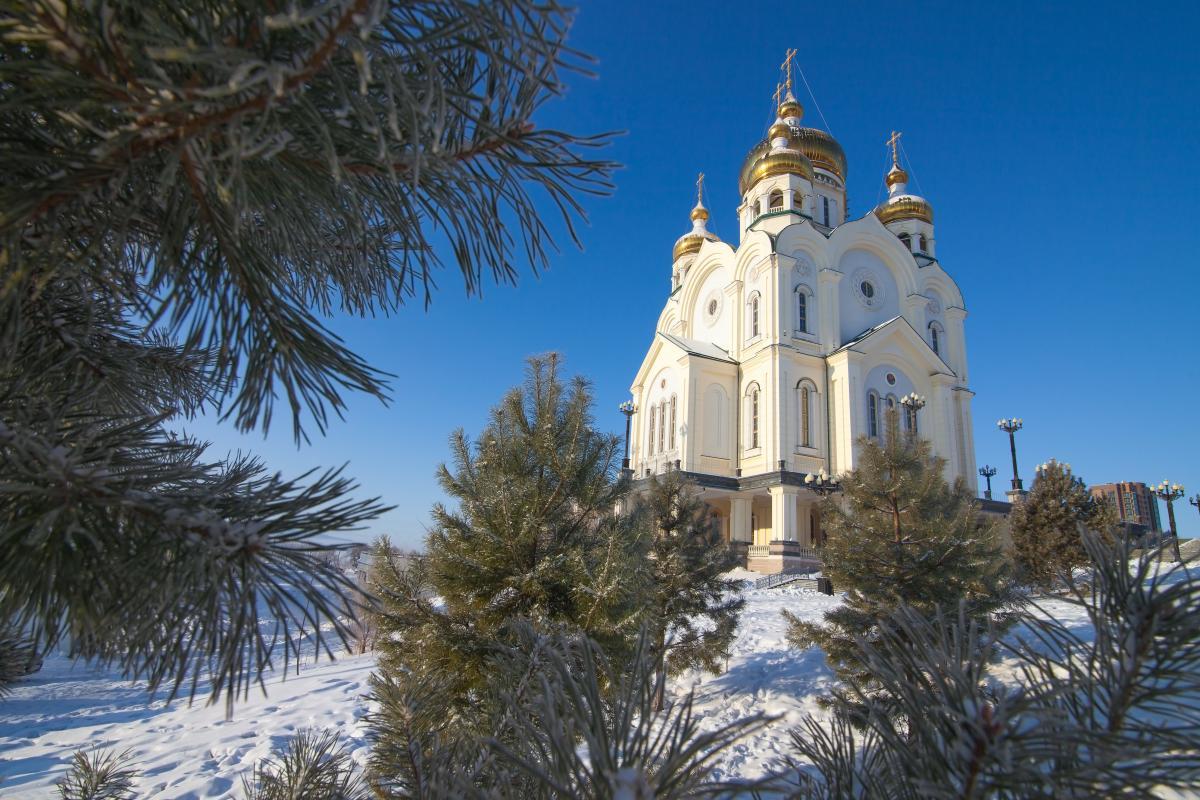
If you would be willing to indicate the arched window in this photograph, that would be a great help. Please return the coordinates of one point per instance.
(910, 419)
(653, 420)
(825, 210)
(907, 240)
(752, 415)
(923, 244)
(806, 395)
(672, 436)
(776, 200)
(891, 412)
(753, 314)
(935, 337)
(662, 425)
(798, 202)
(802, 309)
(872, 415)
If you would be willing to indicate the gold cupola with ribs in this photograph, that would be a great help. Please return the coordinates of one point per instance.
(691, 242)
(901, 205)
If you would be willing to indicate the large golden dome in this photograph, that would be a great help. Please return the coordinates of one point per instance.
(817, 147)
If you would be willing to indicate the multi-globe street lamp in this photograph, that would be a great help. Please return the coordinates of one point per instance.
(912, 403)
(1170, 492)
(986, 472)
(627, 408)
(1011, 426)
(1195, 500)
(822, 483)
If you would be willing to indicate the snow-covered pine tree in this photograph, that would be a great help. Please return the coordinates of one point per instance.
(535, 535)
(693, 610)
(900, 534)
(190, 187)
(1049, 523)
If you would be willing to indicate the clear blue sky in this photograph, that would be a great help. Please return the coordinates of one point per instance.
(1057, 142)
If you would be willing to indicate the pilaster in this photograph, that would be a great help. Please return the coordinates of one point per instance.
(783, 513)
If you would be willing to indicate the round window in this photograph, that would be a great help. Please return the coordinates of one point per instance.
(867, 289)
(891, 379)
(712, 307)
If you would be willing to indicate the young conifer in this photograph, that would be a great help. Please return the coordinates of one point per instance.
(693, 609)
(1049, 524)
(535, 535)
(901, 535)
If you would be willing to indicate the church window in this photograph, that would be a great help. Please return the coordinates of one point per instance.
(825, 209)
(806, 413)
(776, 200)
(890, 414)
(801, 310)
(754, 316)
(653, 419)
(934, 339)
(753, 414)
(910, 419)
(662, 425)
(923, 244)
(904, 237)
(872, 415)
(798, 202)
(672, 437)
(867, 288)
(712, 308)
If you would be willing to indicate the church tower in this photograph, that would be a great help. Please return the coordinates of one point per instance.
(771, 358)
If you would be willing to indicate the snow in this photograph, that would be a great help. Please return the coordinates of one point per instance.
(195, 752)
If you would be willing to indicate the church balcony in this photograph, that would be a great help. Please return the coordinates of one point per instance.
(782, 556)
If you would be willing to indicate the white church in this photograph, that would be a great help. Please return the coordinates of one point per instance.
(774, 354)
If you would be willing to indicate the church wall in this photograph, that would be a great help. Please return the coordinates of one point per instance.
(715, 327)
(713, 418)
(857, 312)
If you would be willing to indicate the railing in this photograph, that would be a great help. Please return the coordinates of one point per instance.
(764, 551)
(759, 550)
(767, 581)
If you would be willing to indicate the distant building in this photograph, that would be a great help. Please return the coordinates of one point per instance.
(1137, 507)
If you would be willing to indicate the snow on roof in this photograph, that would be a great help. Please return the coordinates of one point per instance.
(698, 348)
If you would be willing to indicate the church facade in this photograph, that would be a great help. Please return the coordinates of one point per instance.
(772, 356)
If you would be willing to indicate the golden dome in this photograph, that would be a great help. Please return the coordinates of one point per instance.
(690, 243)
(780, 130)
(791, 109)
(822, 150)
(763, 162)
(699, 212)
(904, 206)
(896, 175)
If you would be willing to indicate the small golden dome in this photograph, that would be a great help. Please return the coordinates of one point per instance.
(791, 109)
(691, 243)
(896, 175)
(822, 150)
(780, 130)
(905, 206)
(774, 162)
(699, 212)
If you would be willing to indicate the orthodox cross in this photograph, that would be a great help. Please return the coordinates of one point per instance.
(700, 190)
(787, 66)
(778, 93)
(892, 142)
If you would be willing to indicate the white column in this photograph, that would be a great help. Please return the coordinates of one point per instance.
(783, 513)
(957, 357)
(804, 524)
(739, 519)
(828, 313)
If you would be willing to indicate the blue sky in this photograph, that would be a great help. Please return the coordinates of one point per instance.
(1057, 142)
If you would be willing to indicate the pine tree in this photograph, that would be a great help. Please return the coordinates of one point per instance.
(1049, 524)
(190, 189)
(901, 536)
(536, 536)
(693, 610)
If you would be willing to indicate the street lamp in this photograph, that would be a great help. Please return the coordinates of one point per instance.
(1195, 500)
(1011, 426)
(912, 403)
(822, 483)
(986, 472)
(1170, 492)
(627, 408)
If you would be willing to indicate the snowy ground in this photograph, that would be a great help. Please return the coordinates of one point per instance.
(191, 753)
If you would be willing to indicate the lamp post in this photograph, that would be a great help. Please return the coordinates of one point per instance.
(822, 483)
(986, 472)
(912, 403)
(1195, 500)
(1170, 492)
(1011, 426)
(627, 408)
